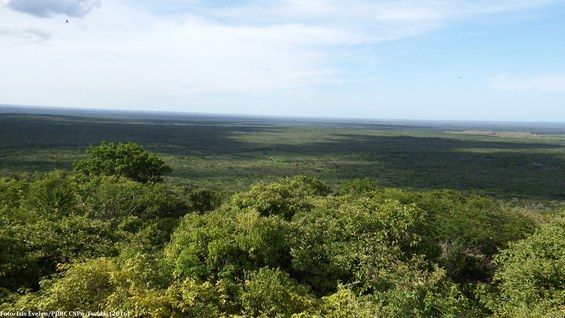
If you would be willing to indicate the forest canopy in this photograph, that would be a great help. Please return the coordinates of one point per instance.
(110, 236)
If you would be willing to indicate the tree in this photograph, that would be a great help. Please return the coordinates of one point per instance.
(285, 249)
(223, 244)
(273, 293)
(127, 160)
(285, 198)
(203, 200)
(531, 274)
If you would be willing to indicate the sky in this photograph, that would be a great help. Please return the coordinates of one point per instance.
(411, 59)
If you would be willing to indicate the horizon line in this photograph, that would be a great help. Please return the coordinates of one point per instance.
(296, 117)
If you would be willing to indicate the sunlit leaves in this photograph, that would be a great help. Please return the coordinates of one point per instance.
(127, 160)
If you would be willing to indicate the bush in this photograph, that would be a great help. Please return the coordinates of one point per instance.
(360, 186)
(202, 200)
(54, 219)
(113, 199)
(41, 245)
(128, 160)
(284, 249)
(331, 239)
(284, 198)
(83, 286)
(463, 232)
(343, 304)
(224, 244)
(272, 293)
(531, 274)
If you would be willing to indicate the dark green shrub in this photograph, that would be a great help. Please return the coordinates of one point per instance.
(203, 200)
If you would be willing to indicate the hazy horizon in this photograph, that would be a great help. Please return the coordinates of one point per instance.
(83, 111)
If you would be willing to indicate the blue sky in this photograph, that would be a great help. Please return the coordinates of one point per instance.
(411, 59)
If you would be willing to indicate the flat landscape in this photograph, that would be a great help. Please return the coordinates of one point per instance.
(229, 153)
(282, 159)
(194, 215)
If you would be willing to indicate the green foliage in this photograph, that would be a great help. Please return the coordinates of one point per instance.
(342, 304)
(112, 199)
(358, 186)
(284, 198)
(273, 293)
(389, 245)
(85, 286)
(54, 219)
(203, 200)
(154, 234)
(225, 243)
(144, 291)
(127, 160)
(52, 195)
(34, 249)
(531, 275)
(331, 238)
(463, 232)
(191, 299)
(286, 249)
(411, 289)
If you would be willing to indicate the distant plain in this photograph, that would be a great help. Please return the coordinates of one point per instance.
(228, 153)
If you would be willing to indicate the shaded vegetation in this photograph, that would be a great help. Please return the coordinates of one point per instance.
(232, 154)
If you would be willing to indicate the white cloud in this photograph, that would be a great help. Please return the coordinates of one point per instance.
(340, 10)
(47, 8)
(383, 20)
(124, 53)
(548, 83)
(24, 35)
(117, 51)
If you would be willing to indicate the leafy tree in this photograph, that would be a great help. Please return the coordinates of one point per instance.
(154, 235)
(113, 198)
(331, 238)
(11, 190)
(531, 275)
(192, 299)
(272, 293)
(105, 285)
(344, 303)
(52, 195)
(54, 219)
(463, 232)
(127, 160)
(285, 249)
(48, 243)
(84, 286)
(225, 243)
(410, 288)
(284, 198)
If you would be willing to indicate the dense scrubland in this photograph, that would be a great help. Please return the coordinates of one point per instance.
(279, 221)
(230, 154)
